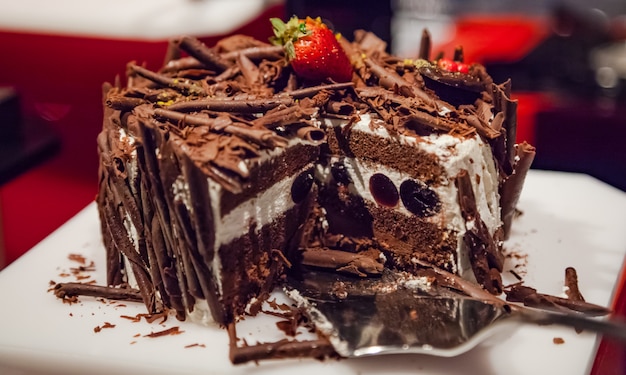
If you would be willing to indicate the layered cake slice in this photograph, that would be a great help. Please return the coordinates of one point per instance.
(233, 164)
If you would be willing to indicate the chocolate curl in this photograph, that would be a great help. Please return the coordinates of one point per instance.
(64, 290)
(176, 84)
(425, 45)
(312, 91)
(258, 136)
(123, 103)
(231, 105)
(256, 53)
(342, 261)
(529, 297)
(511, 188)
(450, 280)
(183, 63)
(194, 47)
(284, 116)
(311, 134)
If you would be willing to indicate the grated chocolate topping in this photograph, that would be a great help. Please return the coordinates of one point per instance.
(231, 97)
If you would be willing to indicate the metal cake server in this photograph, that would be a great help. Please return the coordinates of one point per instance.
(393, 314)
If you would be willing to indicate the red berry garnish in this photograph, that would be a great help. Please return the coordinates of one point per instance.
(463, 68)
(312, 49)
(448, 65)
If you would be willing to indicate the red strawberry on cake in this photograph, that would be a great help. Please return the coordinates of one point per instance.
(312, 49)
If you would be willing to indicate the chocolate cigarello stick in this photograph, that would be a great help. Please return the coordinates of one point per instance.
(124, 103)
(256, 53)
(194, 47)
(174, 83)
(63, 290)
(231, 105)
(311, 91)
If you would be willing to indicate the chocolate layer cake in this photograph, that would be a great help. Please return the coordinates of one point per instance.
(224, 169)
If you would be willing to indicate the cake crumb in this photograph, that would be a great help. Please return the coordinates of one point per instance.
(558, 341)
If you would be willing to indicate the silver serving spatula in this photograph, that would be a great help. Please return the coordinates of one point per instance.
(398, 313)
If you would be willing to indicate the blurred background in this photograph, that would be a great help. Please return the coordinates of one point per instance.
(567, 60)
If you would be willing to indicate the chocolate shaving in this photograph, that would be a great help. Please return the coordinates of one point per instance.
(105, 325)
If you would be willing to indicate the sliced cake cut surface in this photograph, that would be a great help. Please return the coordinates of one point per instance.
(225, 169)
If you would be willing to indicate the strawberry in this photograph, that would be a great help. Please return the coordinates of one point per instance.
(312, 49)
